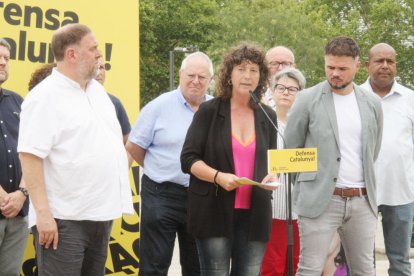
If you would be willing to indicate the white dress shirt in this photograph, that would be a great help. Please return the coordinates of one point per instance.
(77, 135)
(395, 163)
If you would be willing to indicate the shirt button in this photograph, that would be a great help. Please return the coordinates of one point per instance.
(338, 159)
(8, 151)
(1, 122)
(11, 180)
(5, 135)
(335, 179)
(10, 166)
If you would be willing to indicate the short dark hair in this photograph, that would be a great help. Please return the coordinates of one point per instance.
(235, 56)
(66, 36)
(342, 46)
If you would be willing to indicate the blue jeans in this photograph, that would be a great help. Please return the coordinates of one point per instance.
(246, 256)
(397, 229)
(355, 223)
(163, 216)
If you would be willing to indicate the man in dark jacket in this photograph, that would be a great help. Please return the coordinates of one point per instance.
(13, 195)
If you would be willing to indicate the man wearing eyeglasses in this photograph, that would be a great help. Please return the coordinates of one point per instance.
(395, 164)
(155, 143)
(344, 123)
(278, 58)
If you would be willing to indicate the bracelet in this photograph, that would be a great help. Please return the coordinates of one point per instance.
(215, 177)
(24, 191)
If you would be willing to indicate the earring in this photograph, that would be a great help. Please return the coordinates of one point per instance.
(229, 82)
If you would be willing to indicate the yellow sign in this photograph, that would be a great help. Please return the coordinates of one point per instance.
(293, 160)
(28, 26)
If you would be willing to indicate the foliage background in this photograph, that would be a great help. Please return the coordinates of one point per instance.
(302, 25)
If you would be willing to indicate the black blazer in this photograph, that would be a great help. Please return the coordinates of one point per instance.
(211, 208)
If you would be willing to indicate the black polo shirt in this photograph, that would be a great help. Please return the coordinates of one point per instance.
(10, 169)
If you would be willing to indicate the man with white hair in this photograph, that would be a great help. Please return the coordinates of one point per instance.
(278, 58)
(155, 143)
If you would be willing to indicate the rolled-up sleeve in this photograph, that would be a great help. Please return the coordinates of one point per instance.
(142, 133)
(39, 126)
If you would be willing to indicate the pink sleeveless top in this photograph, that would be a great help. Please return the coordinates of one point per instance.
(244, 157)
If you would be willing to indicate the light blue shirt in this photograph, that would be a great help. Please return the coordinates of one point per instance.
(395, 163)
(161, 129)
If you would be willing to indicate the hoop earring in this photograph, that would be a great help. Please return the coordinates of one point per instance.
(229, 82)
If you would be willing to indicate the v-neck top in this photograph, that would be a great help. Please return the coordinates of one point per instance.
(244, 157)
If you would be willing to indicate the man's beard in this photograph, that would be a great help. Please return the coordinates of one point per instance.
(92, 74)
(96, 73)
(3, 78)
(339, 87)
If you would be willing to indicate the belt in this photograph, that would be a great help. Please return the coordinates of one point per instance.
(170, 184)
(350, 192)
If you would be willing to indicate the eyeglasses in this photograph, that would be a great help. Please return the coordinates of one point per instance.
(285, 64)
(292, 90)
(193, 77)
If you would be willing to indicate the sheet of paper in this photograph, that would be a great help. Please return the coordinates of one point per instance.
(246, 181)
(272, 184)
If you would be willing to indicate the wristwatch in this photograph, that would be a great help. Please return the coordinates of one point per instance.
(24, 191)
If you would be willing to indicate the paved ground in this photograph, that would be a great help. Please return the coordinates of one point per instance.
(381, 258)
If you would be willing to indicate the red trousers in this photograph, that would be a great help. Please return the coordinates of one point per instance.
(275, 261)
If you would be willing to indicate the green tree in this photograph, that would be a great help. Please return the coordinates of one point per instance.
(165, 24)
(369, 23)
(271, 23)
(302, 25)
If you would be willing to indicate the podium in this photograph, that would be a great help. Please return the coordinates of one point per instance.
(287, 161)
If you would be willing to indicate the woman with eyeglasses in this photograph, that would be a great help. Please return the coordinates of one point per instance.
(285, 85)
(228, 139)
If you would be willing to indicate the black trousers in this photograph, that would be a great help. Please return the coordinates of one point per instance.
(163, 216)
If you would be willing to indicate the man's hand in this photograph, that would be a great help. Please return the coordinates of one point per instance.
(34, 180)
(13, 205)
(4, 199)
(48, 231)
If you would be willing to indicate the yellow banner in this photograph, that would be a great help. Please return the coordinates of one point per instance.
(28, 26)
(293, 160)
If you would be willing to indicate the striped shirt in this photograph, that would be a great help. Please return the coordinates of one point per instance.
(279, 209)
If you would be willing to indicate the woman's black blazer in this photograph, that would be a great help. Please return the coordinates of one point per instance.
(211, 208)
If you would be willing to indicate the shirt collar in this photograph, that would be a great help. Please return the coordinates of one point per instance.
(69, 80)
(395, 89)
(4, 93)
(181, 96)
(184, 101)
